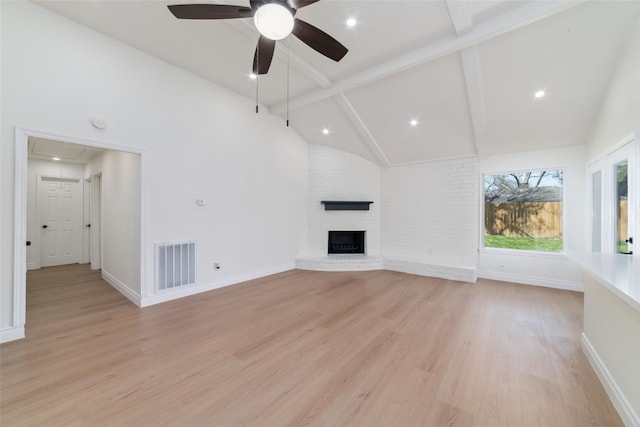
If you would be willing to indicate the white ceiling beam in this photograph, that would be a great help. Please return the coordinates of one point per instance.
(525, 15)
(475, 96)
(461, 15)
(362, 129)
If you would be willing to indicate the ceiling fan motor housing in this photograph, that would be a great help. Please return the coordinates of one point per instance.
(274, 21)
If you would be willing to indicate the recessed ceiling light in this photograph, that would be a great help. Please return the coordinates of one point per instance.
(539, 94)
(325, 131)
(253, 76)
(413, 122)
(351, 22)
(55, 159)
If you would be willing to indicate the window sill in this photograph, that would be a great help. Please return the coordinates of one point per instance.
(523, 253)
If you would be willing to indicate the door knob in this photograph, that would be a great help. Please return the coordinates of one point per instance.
(45, 226)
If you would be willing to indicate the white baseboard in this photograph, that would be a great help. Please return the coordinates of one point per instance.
(33, 265)
(192, 290)
(122, 288)
(629, 417)
(530, 280)
(11, 333)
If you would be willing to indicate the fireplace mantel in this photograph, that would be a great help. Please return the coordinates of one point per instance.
(333, 205)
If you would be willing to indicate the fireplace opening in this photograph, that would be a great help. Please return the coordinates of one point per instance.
(346, 242)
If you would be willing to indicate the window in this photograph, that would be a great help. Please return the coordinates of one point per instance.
(523, 210)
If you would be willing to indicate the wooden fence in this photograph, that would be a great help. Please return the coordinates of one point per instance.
(539, 219)
(623, 219)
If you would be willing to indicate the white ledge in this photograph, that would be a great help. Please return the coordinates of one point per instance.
(367, 263)
(347, 262)
(619, 273)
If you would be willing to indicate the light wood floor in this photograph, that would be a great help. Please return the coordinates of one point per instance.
(301, 348)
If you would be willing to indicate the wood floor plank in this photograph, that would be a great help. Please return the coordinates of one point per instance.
(301, 348)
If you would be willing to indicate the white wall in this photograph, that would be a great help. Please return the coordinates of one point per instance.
(120, 217)
(429, 215)
(611, 340)
(554, 270)
(197, 141)
(619, 115)
(337, 175)
(430, 212)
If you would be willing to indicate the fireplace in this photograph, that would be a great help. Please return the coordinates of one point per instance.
(346, 242)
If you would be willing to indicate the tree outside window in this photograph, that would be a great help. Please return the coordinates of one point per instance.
(523, 210)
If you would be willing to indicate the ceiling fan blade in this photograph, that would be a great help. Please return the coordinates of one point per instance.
(317, 39)
(297, 4)
(210, 11)
(255, 4)
(263, 55)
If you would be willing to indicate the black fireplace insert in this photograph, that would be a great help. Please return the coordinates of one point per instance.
(346, 242)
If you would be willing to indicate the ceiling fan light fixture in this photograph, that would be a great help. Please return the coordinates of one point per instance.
(273, 21)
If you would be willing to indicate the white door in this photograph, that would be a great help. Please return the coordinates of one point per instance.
(60, 212)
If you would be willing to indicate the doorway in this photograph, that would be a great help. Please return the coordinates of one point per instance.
(90, 241)
(60, 177)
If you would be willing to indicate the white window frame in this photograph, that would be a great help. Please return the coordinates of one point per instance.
(526, 252)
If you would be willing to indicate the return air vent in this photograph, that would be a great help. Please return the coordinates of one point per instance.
(175, 265)
(334, 205)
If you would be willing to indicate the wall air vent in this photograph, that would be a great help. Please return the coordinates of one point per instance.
(175, 265)
(331, 205)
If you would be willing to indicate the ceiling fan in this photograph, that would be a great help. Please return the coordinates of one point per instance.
(275, 20)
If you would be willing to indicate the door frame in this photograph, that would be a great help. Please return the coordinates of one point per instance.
(86, 187)
(95, 217)
(627, 148)
(20, 211)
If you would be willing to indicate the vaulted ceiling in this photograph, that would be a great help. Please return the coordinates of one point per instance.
(466, 71)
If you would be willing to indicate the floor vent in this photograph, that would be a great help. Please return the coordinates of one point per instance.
(175, 265)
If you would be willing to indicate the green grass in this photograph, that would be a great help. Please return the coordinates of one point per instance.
(523, 243)
(623, 247)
